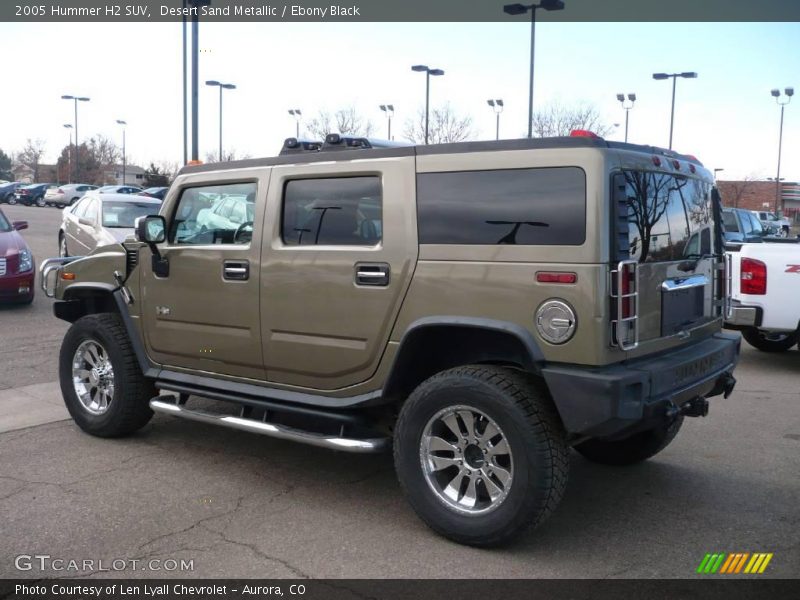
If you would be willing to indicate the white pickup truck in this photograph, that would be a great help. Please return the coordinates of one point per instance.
(764, 294)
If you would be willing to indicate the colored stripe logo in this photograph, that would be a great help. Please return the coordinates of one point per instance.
(734, 563)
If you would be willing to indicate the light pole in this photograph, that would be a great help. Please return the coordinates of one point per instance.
(297, 114)
(124, 164)
(674, 76)
(497, 107)
(76, 99)
(717, 170)
(631, 99)
(389, 110)
(521, 9)
(69, 153)
(777, 95)
(221, 86)
(428, 72)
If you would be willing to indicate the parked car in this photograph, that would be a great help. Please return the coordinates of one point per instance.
(227, 213)
(17, 266)
(764, 284)
(67, 194)
(99, 220)
(742, 226)
(7, 191)
(155, 192)
(31, 195)
(380, 303)
(119, 189)
(777, 225)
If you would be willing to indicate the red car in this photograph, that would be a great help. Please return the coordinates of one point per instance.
(17, 267)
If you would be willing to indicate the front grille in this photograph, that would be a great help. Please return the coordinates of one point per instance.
(2, 266)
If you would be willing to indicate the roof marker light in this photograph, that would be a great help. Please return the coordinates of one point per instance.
(656, 161)
(584, 133)
(676, 164)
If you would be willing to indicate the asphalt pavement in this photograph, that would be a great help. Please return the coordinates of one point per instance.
(242, 505)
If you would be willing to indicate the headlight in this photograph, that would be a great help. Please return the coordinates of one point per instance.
(25, 261)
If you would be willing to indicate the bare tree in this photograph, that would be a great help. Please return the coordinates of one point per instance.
(345, 121)
(31, 156)
(558, 120)
(104, 151)
(444, 126)
(732, 192)
(227, 156)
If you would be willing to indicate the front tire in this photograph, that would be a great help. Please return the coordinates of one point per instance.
(631, 450)
(62, 246)
(481, 454)
(770, 342)
(102, 384)
(40, 202)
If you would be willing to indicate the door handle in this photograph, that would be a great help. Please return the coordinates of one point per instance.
(236, 270)
(372, 274)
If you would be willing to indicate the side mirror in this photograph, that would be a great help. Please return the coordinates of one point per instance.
(85, 221)
(19, 225)
(151, 229)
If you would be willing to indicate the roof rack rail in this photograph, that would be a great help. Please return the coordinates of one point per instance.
(299, 146)
(335, 141)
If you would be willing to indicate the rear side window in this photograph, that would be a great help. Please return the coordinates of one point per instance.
(542, 206)
(664, 211)
(729, 221)
(342, 211)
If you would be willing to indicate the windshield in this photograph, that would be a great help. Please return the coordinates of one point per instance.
(124, 214)
(664, 211)
(5, 226)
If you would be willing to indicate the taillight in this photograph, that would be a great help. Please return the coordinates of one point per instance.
(753, 277)
(59, 191)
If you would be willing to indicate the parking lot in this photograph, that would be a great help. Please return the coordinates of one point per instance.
(240, 505)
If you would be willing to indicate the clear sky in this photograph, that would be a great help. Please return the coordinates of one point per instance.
(133, 72)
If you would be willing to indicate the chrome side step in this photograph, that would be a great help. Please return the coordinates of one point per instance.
(362, 446)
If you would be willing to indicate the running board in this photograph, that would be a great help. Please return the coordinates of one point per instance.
(362, 446)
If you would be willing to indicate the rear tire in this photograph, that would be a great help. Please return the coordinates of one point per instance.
(96, 350)
(40, 202)
(770, 342)
(636, 448)
(500, 483)
(62, 246)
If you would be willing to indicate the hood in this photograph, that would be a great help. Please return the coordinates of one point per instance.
(119, 234)
(11, 243)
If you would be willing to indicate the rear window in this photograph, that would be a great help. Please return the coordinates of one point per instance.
(729, 221)
(124, 214)
(664, 211)
(543, 206)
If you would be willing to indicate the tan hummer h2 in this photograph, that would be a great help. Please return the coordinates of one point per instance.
(478, 307)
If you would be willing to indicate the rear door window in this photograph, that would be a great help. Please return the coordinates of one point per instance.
(664, 211)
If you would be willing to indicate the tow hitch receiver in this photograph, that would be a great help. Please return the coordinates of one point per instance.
(696, 407)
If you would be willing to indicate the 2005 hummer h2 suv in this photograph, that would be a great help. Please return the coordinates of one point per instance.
(478, 307)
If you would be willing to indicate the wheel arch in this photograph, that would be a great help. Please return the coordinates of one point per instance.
(434, 344)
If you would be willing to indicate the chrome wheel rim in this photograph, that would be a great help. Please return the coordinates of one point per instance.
(93, 377)
(466, 460)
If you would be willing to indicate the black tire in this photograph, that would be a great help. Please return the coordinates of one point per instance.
(12, 200)
(40, 202)
(770, 342)
(129, 408)
(523, 410)
(634, 449)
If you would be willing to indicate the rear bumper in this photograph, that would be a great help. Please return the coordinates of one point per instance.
(743, 316)
(606, 401)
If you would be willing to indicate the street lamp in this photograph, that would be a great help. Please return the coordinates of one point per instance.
(221, 86)
(76, 99)
(389, 110)
(685, 75)
(497, 107)
(295, 112)
(631, 99)
(124, 165)
(521, 9)
(69, 153)
(717, 170)
(428, 72)
(777, 95)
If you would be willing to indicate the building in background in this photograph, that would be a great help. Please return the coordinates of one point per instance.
(133, 175)
(760, 195)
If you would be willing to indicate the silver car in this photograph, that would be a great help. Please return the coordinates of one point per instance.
(67, 194)
(99, 220)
